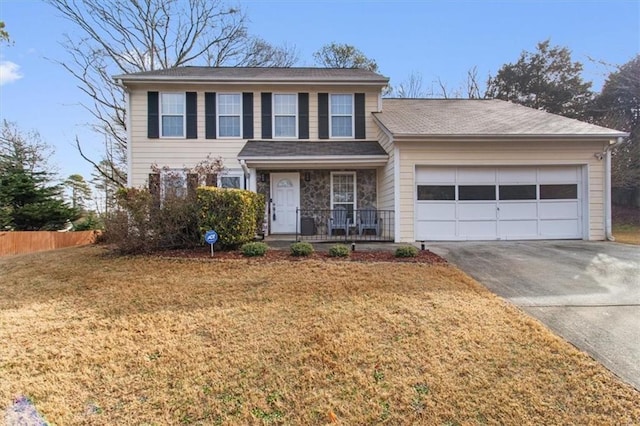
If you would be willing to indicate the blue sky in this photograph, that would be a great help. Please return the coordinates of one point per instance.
(438, 39)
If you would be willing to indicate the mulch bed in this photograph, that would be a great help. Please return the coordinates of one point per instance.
(424, 256)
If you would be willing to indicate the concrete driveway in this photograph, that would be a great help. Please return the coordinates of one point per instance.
(586, 292)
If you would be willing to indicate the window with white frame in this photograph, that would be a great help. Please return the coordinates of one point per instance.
(285, 115)
(232, 179)
(229, 115)
(172, 115)
(341, 114)
(173, 183)
(343, 192)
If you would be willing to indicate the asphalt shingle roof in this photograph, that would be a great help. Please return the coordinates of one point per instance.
(252, 74)
(297, 148)
(477, 118)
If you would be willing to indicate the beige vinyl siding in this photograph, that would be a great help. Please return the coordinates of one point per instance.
(385, 174)
(180, 153)
(511, 152)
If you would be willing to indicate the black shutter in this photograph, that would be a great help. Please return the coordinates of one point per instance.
(192, 115)
(247, 115)
(323, 116)
(303, 116)
(359, 121)
(266, 116)
(210, 115)
(153, 115)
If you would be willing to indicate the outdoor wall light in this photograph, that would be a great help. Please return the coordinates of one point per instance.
(307, 176)
(263, 177)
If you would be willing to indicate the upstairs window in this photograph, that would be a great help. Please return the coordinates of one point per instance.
(172, 115)
(285, 111)
(341, 116)
(229, 115)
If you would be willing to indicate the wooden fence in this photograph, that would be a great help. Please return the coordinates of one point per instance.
(18, 242)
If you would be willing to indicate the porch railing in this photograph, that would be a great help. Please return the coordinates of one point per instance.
(331, 225)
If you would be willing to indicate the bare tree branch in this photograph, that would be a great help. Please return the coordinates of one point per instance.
(128, 36)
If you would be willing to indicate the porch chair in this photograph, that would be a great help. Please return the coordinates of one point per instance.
(368, 219)
(338, 220)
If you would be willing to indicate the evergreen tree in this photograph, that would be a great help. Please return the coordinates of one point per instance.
(29, 201)
(547, 79)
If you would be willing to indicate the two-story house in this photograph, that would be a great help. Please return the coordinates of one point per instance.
(320, 141)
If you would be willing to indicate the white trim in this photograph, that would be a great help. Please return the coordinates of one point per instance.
(355, 189)
(396, 191)
(273, 116)
(184, 115)
(353, 131)
(233, 173)
(129, 144)
(218, 115)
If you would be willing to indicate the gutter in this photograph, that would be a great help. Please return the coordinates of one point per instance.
(607, 188)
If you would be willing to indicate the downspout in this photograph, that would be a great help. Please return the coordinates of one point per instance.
(607, 189)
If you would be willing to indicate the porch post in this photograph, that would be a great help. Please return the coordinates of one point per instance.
(253, 180)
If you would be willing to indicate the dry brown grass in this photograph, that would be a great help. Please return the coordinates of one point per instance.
(99, 340)
(628, 234)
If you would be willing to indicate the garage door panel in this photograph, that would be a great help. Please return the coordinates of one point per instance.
(520, 210)
(476, 211)
(558, 174)
(441, 230)
(436, 211)
(559, 210)
(435, 175)
(518, 229)
(503, 202)
(476, 175)
(478, 230)
(517, 174)
(559, 228)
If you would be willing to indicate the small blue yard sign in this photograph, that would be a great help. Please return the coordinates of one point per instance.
(211, 237)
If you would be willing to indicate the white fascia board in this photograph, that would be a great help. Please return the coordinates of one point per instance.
(406, 137)
(316, 162)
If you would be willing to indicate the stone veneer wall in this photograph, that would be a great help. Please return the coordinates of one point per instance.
(316, 194)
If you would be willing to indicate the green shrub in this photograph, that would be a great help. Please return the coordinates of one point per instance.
(406, 251)
(301, 249)
(339, 250)
(254, 249)
(235, 214)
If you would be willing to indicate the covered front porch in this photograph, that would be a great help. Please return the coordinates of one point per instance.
(328, 197)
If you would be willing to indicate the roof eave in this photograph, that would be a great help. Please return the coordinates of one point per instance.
(527, 136)
(246, 81)
(315, 161)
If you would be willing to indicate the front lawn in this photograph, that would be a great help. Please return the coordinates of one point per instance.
(94, 339)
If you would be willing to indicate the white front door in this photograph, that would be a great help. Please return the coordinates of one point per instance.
(285, 199)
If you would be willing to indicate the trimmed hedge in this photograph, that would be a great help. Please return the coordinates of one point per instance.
(406, 251)
(301, 248)
(339, 250)
(254, 249)
(235, 214)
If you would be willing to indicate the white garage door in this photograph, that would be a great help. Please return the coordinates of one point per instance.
(495, 203)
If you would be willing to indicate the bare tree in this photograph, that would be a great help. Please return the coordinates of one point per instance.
(411, 87)
(127, 36)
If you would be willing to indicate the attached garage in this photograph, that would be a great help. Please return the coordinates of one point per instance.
(491, 170)
(499, 203)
